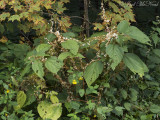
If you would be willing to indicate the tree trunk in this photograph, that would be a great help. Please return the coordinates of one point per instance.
(86, 18)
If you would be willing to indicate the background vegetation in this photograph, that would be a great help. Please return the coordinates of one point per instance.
(79, 60)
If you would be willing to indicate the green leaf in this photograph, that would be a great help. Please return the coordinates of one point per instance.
(37, 67)
(81, 92)
(30, 96)
(54, 99)
(72, 45)
(116, 53)
(14, 81)
(91, 105)
(134, 94)
(127, 106)
(119, 110)
(75, 105)
(124, 93)
(53, 64)
(155, 108)
(123, 26)
(64, 55)
(155, 38)
(20, 50)
(25, 70)
(43, 48)
(92, 72)
(21, 98)
(137, 34)
(14, 17)
(103, 110)
(48, 110)
(135, 64)
(68, 35)
(50, 36)
(157, 52)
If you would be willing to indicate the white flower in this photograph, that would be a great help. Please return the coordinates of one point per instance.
(57, 33)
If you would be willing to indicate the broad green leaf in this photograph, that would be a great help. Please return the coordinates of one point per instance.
(75, 105)
(155, 108)
(37, 67)
(48, 110)
(135, 64)
(116, 53)
(127, 106)
(21, 98)
(157, 52)
(103, 110)
(142, 86)
(79, 55)
(30, 96)
(20, 50)
(81, 92)
(69, 35)
(134, 94)
(50, 36)
(137, 34)
(91, 105)
(64, 55)
(43, 48)
(54, 99)
(68, 106)
(93, 71)
(119, 110)
(155, 38)
(123, 26)
(53, 64)
(72, 45)
(124, 93)
(25, 70)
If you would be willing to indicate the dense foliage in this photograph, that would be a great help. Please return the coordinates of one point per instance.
(50, 70)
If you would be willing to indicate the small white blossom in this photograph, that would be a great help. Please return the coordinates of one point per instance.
(57, 33)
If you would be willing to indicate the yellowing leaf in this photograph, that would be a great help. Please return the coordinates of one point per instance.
(2, 4)
(48, 110)
(98, 26)
(14, 17)
(114, 7)
(65, 1)
(18, 7)
(60, 8)
(4, 15)
(3, 39)
(129, 16)
(24, 14)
